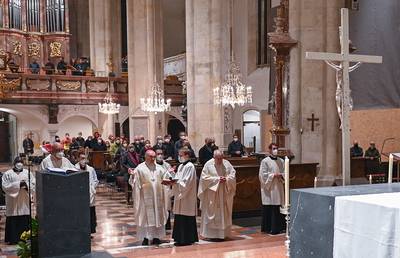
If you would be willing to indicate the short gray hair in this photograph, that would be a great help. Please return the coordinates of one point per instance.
(218, 152)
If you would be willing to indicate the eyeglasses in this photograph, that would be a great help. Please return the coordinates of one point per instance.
(152, 157)
(59, 150)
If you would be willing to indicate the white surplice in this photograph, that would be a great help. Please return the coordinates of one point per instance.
(272, 190)
(93, 182)
(184, 190)
(166, 166)
(216, 199)
(17, 199)
(52, 162)
(149, 201)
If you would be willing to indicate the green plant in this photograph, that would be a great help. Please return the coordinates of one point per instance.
(29, 247)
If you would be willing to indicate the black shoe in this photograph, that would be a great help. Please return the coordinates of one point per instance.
(274, 232)
(180, 244)
(145, 241)
(221, 239)
(157, 241)
(214, 239)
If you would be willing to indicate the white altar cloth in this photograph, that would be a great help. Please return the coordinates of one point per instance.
(367, 226)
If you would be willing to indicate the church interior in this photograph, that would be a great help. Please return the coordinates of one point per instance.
(120, 54)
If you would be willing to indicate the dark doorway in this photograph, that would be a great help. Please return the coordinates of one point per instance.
(125, 128)
(174, 127)
(5, 155)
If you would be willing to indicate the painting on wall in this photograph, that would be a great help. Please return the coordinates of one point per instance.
(35, 136)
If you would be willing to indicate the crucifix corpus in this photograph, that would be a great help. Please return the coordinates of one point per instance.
(343, 99)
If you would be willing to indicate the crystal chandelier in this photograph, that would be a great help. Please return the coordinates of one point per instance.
(233, 91)
(155, 101)
(109, 107)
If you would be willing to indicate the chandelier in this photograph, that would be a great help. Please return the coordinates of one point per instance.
(233, 91)
(109, 107)
(155, 101)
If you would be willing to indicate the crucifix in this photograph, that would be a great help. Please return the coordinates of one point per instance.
(159, 124)
(312, 119)
(343, 90)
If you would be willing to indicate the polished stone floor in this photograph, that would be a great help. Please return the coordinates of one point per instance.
(116, 233)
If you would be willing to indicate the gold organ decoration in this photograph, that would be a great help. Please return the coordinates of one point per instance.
(17, 48)
(96, 86)
(34, 49)
(6, 84)
(38, 84)
(69, 86)
(111, 64)
(55, 49)
(67, 28)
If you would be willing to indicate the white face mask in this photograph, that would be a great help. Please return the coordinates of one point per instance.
(117, 142)
(125, 144)
(19, 166)
(181, 159)
(82, 162)
(235, 139)
(60, 155)
(159, 157)
(183, 137)
(67, 136)
(160, 141)
(167, 140)
(148, 145)
(99, 142)
(275, 152)
(141, 141)
(80, 135)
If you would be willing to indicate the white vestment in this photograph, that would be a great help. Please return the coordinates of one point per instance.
(52, 162)
(149, 201)
(165, 165)
(93, 182)
(272, 192)
(216, 199)
(17, 199)
(184, 190)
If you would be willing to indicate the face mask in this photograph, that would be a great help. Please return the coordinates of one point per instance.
(235, 139)
(142, 141)
(99, 142)
(137, 142)
(57, 139)
(181, 159)
(79, 135)
(167, 140)
(209, 144)
(147, 144)
(183, 137)
(159, 157)
(67, 136)
(132, 149)
(82, 162)
(275, 152)
(60, 155)
(160, 141)
(117, 142)
(19, 166)
(125, 145)
(355, 145)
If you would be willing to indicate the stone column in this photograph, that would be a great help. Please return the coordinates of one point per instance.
(145, 62)
(207, 47)
(105, 36)
(314, 24)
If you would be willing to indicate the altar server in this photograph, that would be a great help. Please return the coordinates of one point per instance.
(17, 200)
(216, 191)
(150, 199)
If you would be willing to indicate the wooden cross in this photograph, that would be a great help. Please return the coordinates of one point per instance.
(30, 135)
(345, 58)
(312, 119)
(159, 124)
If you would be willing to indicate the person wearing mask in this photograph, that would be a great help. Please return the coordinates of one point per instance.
(272, 191)
(119, 154)
(159, 144)
(99, 145)
(73, 146)
(147, 146)
(235, 148)
(179, 143)
(93, 183)
(136, 143)
(16, 184)
(193, 157)
(206, 152)
(185, 204)
(111, 138)
(66, 141)
(169, 148)
(88, 142)
(94, 140)
(130, 160)
(213, 143)
(56, 159)
(115, 146)
(57, 139)
(123, 138)
(372, 153)
(80, 140)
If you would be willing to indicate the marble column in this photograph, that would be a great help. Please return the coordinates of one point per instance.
(105, 36)
(314, 24)
(145, 63)
(207, 47)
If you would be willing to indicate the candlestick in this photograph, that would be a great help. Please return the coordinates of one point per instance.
(370, 179)
(286, 181)
(390, 176)
(286, 211)
(315, 182)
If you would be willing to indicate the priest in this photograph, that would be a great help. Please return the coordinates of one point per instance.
(56, 159)
(150, 199)
(217, 188)
(14, 183)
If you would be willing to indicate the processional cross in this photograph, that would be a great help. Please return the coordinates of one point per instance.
(343, 99)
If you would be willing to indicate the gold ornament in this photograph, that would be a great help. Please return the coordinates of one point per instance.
(8, 85)
(17, 48)
(111, 64)
(55, 49)
(34, 49)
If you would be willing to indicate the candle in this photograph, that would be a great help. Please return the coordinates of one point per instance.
(370, 179)
(315, 182)
(390, 169)
(286, 181)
